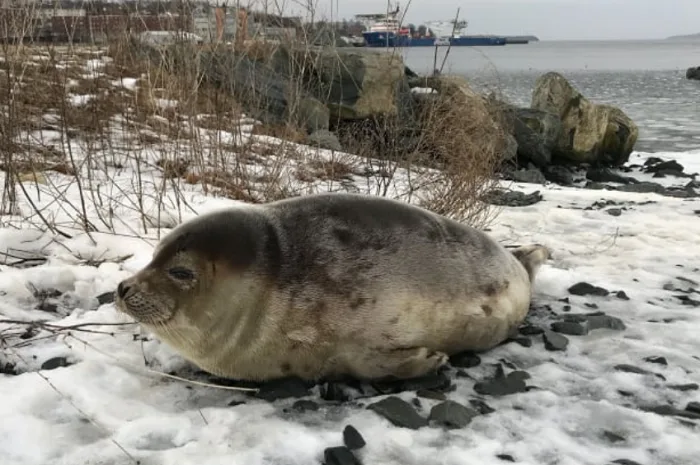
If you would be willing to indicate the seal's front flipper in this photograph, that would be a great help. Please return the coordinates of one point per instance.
(406, 363)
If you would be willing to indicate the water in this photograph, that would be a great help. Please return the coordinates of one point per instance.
(646, 79)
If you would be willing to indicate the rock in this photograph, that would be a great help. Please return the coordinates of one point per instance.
(305, 405)
(622, 295)
(506, 457)
(512, 198)
(399, 412)
(523, 341)
(571, 328)
(625, 462)
(435, 381)
(356, 84)
(693, 73)
(624, 367)
(613, 437)
(324, 139)
(339, 455)
(312, 115)
(482, 407)
(559, 175)
(428, 394)
(530, 330)
(56, 362)
(614, 211)
(352, 438)
(451, 414)
(512, 383)
(684, 387)
(536, 133)
(584, 288)
(670, 165)
(282, 389)
(106, 298)
(604, 322)
(532, 176)
(657, 360)
(554, 341)
(605, 175)
(591, 133)
(693, 407)
(466, 359)
(669, 410)
(509, 147)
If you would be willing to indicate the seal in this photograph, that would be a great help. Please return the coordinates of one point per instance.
(329, 286)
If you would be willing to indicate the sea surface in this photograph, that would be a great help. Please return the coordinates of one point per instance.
(646, 79)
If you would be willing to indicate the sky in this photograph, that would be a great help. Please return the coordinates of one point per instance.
(547, 19)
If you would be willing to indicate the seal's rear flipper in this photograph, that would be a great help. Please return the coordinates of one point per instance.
(532, 256)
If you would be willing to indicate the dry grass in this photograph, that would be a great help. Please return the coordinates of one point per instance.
(104, 132)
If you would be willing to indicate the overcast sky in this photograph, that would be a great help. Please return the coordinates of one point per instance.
(547, 19)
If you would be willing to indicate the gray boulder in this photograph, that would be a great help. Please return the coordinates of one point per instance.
(693, 73)
(591, 133)
(537, 133)
(324, 139)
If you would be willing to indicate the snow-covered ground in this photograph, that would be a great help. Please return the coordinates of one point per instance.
(105, 407)
(94, 395)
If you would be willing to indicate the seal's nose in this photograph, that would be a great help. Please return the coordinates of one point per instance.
(122, 289)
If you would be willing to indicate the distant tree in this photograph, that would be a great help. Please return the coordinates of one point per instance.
(422, 30)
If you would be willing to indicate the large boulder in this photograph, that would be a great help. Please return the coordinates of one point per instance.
(354, 83)
(536, 133)
(693, 73)
(591, 133)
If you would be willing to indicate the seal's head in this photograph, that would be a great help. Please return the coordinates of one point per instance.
(187, 264)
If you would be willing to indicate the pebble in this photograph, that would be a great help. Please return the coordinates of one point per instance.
(502, 386)
(624, 367)
(451, 414)
(571, 328)
(530, 330)
(339, 455)
(56, 362)
(428, 394)
(693, 407)
(684, 387)
(506, 457)
(352, 438)
(283, 389)
(481, 406)
(398, 412)
(584, 288)
(554, 341)
(466, 359)
(305, 405)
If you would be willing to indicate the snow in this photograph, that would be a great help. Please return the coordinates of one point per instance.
(108, 407)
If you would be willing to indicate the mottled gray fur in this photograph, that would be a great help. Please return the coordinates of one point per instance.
(330, 285)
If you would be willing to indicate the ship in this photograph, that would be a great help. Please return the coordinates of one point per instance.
(385, 30)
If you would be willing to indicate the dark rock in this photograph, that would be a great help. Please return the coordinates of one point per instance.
(512, 198)
(339, 455)
(428, 394)
(613, 437)
(56, 362)
(530, 330)
(510, 384)
(584, 288)
(532, 176)
(614, 211)
(8, 368)
(523, 341)
(435, 381)
(571, 328)
(305, 405)
(312, 115)
(684, 387)
(554, 341)
(49, 307)
(335, 391)
(282, 389)
(626, 368)
(657, 360)
(398, 412)
(106, 298)
(693, 73)
(536, 133)
(482, 407)
(693, 407)
(670, 165)
(624, 393)
(625, 462)
(466, 359)
(506, 457)
(686, 300)
(605, 322)
(235, 403)
(559, 175)
(669, 410)
(622, 295)
(605, 175)
(352, 438)
(451, 414)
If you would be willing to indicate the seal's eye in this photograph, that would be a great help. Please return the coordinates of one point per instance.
(181, 274)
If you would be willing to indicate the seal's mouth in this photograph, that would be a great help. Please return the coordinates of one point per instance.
(143, 308)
